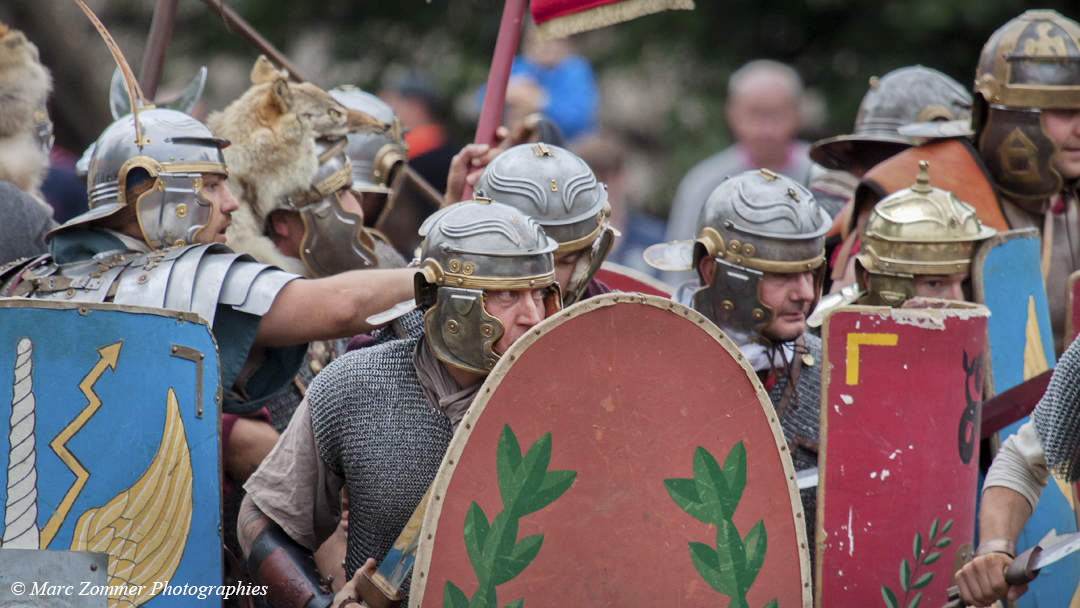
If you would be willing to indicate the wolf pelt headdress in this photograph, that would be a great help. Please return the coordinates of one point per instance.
(273, 127)
(25, 85)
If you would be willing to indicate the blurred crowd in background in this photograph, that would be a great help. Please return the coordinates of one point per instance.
(659, 107)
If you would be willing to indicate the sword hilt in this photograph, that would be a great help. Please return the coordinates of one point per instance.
(1021, 571)
(954, 598)
(374, 596)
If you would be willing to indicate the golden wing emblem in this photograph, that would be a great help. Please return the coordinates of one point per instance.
(144, 528)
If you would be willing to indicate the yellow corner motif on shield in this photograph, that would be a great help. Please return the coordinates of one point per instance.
(854, 341)
(144, 529)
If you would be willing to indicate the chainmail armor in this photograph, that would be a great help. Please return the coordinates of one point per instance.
(388, 256)
(409, 325)
(1057, 417)
(800, 419)
(374, 427)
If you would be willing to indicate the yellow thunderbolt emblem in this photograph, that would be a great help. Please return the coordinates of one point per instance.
(107, 359)
(854, 341)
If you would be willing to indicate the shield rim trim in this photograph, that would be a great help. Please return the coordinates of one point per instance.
(460, 439)
(637, 275)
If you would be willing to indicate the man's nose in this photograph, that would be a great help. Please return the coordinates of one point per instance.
(530, 311)
(954, 292)
(228, 202)
(803, 290)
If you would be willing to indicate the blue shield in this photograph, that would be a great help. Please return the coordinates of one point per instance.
(110, 441)
(1008, 280)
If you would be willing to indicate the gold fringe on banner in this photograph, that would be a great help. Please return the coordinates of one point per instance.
(603, 16)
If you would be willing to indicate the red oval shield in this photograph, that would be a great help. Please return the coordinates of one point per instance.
(621, 454)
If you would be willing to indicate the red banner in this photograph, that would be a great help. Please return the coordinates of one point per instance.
(560, 18)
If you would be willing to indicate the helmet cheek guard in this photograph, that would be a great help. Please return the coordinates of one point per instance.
(588, 264)
(173, 212)
(334, 239)
(460, 327)
(1019, 153)
(731, 298)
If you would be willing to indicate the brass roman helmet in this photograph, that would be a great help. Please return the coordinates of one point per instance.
(468, 248)
(919, 230)
(1031, 64)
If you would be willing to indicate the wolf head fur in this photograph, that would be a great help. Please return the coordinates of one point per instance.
(25, 85)
(273, 127)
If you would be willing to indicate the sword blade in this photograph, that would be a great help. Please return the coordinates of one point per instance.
(807, 478)
(393, 569)
(1066, 545)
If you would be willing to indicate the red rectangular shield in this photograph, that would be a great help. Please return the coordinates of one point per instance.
(899, 452)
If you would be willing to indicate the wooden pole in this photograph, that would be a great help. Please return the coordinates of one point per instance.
(506, 45)
(234, 21)
(157, 47)
(505, 48)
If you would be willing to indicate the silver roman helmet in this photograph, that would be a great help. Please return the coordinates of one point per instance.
(752, 223)
(560, 191)
(908, 95)
(379, 158)
(335, 239)
(470, 247)
(175, 150)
